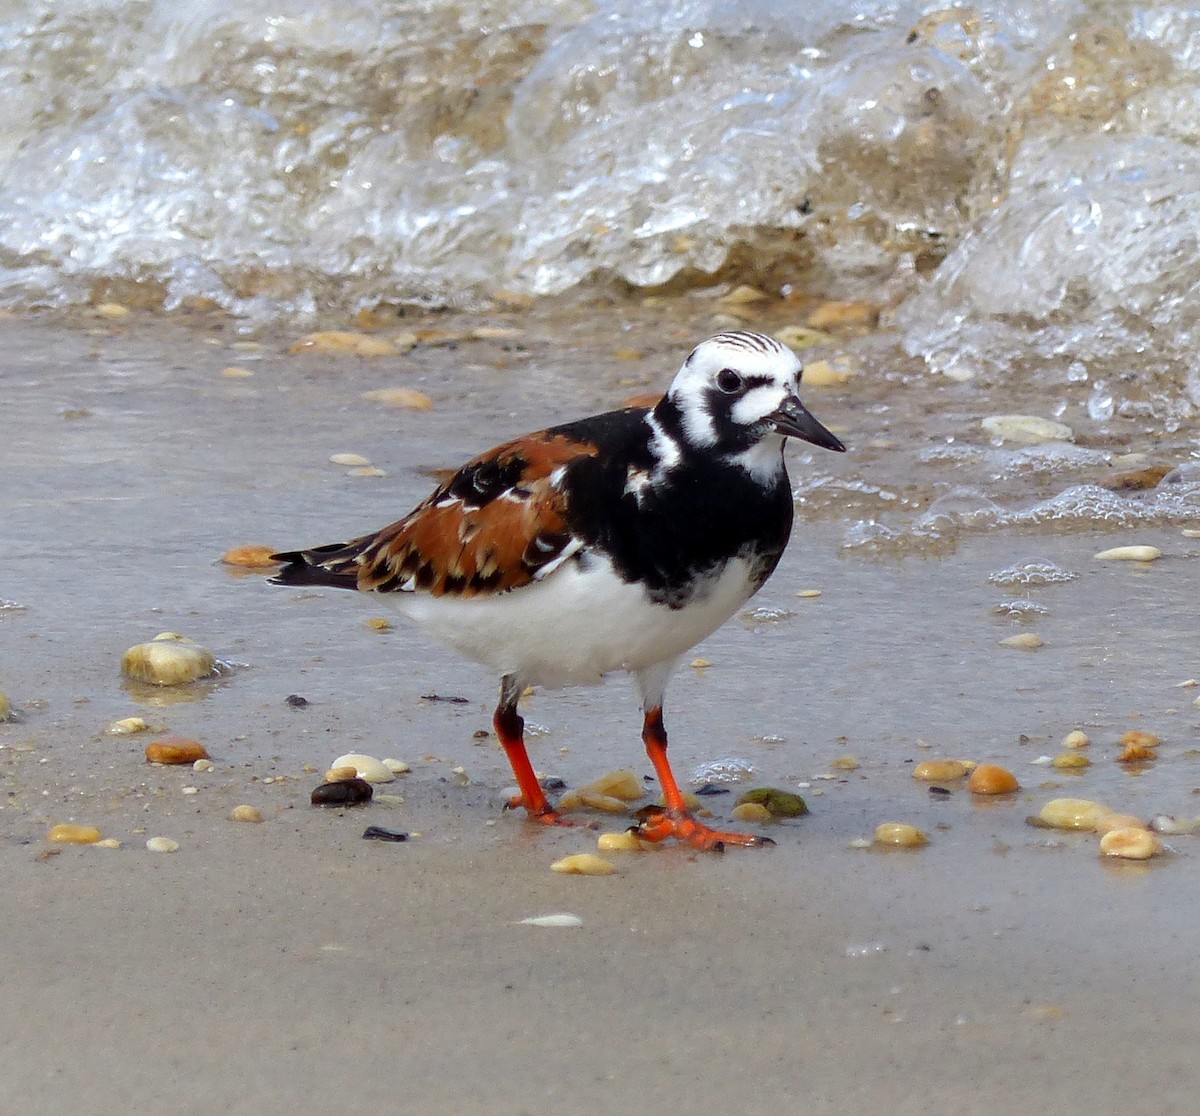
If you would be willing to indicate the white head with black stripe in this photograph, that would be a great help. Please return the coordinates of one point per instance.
(737, 396)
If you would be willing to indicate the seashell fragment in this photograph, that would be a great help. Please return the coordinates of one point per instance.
(408, 399)
(1023, 641)
(348, 459)
(624, 785)
(68, 834)
(844, 763)
(168, 660)
(245, 814)
(162, 845)
(1130, 844)
(899, 835)
(622, 842)
(1173, 826)
(988, 778)
(583, 864)
(1076, 739)
(175, 750)
(563, 920)
(939, 771)
(396, 767)
(1129, 554)
(605, 803)
(1071, 813)
(125, 726)
(366, 767)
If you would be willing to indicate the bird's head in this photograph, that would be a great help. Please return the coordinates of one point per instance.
(737, 391)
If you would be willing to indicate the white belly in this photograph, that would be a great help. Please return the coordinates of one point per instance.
(577, 625)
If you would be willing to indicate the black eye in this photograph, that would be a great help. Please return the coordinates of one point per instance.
(729, 381)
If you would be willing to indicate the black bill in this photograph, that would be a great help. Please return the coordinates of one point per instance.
(794, 421)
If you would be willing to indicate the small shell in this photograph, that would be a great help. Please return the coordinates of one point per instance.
(204, 766)
(566, 921)
(127, 725)
(1071, 813)
(175, 750)
(1129, 554)
(1173, 826)
(1076, 739)
(108, 843)
(168, 660)
(348, 459)
(621, 842)
(162, 845)
(899, 835)
(396, 767)
(939, 771)
(1130, 844)
(988, 778)
(68, 834)
(1026, 430)
(245, 814)
(367, 767)
(624, 785)
(584, 864)
(253, 557)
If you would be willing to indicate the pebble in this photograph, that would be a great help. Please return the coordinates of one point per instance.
(1140, 739)
(1130, 844)
(808, 594)
(621, 842)
(824, 373)
(563, 920)
(1023, 641)
(203, 766)
(1071, 813)
(844, 763)
(743, 294)
(349, 792)
(340, 774)
(251, 557)
(125, 726)
(623, 784)
(175, 750)
(113, 311)
(407, 398)
(396, 767)
(988, 778)
(162, 845)
(1130, 554)
(1076, 739)
(68, 834)
(802, 337)
(168, 660)
(1070, 761)
(108, 843)
(899, 835)
(605, 803)
(245, 814)
(348, 459)
(379, 623)
(236, 372)
(367, 767)
(750, 812)
(367, 471)
(584, 864)
(496, 333)
(1026, 430)
(344, 341)
(841, 313)
(939, 771)
(777, 802)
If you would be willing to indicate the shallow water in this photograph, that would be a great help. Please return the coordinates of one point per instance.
(814, 969)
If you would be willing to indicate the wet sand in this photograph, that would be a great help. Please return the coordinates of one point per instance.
(292, 966)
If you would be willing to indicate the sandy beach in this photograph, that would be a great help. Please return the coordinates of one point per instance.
(292, 966)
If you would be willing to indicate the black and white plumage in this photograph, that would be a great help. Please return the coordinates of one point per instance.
(616, 542)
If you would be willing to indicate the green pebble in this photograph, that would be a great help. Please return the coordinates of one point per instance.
(779, 803)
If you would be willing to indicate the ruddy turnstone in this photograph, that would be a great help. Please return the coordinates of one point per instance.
(616, 542)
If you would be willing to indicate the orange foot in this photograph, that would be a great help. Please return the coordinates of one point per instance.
(547, 815)
(659, 824)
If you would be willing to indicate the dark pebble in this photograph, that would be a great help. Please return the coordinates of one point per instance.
(454, 699)
(553, 783)
(939, 792)
(296, 701)
(348, 792)
(378, 833)
(711, 788)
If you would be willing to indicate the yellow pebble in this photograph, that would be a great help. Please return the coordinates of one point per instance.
(343, 341)
(1070, 761)
(1130, 554)
(617, 784)
(939, 771)
(1140, 739)
(1076, 739)
(988, 778)
(1024, 641)
(900, 835)
(68, 834)
(583, 864)
(844, 763)
(250, 557)
(1071, 813)
(408, 399)
(1130, 844)
(245, 814)
(619, 842)
(605, 803)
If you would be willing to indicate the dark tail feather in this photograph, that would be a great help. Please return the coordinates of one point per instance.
(332, 566)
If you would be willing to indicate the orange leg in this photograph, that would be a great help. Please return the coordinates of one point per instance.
(510, 728)
(675, 820)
